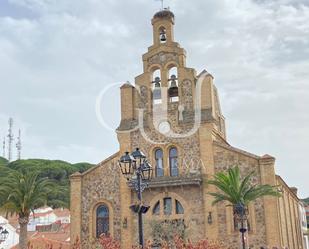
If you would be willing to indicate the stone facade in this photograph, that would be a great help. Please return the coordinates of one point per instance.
(191, 123)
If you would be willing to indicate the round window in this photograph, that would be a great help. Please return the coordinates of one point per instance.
(164, 127)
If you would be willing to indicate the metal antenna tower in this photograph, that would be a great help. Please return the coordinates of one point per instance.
(18, 145)
(3, 147)
(10, 139)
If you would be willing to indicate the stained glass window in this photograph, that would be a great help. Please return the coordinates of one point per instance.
(167, 206)
(173, 159)
(159, 162)
(102, 223)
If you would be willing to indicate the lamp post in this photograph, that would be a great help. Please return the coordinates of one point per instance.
(241, 213)
(138, 173)
(3, 234)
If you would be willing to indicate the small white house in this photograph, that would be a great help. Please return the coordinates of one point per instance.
(41, 217)
(13, 236)
(63, 215)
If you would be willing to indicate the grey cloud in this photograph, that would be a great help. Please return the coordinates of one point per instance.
(56, 56)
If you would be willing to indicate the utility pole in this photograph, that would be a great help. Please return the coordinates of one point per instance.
(18, 145)
(10, 139)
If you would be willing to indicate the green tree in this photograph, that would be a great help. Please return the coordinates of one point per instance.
(239, 192)
(20, 193)
(3, 161)
(306, 201)
(56, 170)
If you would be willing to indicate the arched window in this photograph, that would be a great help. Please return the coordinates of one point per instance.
(169, 215)
(173, 160)
(159, 162)
(173, 71)
(156, 209)
(173, 84)
(156, 92)
(170, 206)
(156, 74)
(179, 207)
(102, 221)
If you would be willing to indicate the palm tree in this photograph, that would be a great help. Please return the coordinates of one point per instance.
(20, 193)
(239, 192)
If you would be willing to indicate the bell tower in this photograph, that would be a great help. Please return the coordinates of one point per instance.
(171, 108)
(167, 90)
(163, 28)
(167, 85)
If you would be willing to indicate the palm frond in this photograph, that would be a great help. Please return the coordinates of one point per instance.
(235, 190)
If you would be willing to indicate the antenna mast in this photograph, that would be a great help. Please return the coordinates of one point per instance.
(3, 147)
(10, 139)
(18, 145)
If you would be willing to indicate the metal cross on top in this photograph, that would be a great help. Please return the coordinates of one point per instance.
(162, 3)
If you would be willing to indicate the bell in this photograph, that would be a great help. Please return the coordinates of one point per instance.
(173, 81)
(157, 81)
(163, 36)
(173, 90)
(157, 90)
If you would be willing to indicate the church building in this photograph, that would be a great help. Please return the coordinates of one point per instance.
(172, 113)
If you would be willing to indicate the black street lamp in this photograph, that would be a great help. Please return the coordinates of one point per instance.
(241, 213)
(138, 172)
(3, 234)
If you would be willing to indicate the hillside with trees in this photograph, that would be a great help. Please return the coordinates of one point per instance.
(3, 162)
(56, 170)
(306, 201)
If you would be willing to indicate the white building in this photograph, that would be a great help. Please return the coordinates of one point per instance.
(41, 217)
(63, 215)
(303, 221)
(13, 236)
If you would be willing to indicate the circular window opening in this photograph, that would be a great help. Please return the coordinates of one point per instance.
(164, 127)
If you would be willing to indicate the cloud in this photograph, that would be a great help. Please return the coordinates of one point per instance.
(56, 56)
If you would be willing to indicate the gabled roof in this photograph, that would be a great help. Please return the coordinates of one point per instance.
(37, 215)
(95, 167)
(231, 148)
(204, 71)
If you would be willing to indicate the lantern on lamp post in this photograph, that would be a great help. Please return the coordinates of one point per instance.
(137, 170)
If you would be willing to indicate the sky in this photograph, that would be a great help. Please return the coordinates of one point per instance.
(56, 57)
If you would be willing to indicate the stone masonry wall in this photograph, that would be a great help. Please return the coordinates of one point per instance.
(225, 158)
(100, 185)
(192, 200)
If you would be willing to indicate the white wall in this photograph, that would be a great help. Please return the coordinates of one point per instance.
(13, 237)
(306, 242)
(303, 222)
